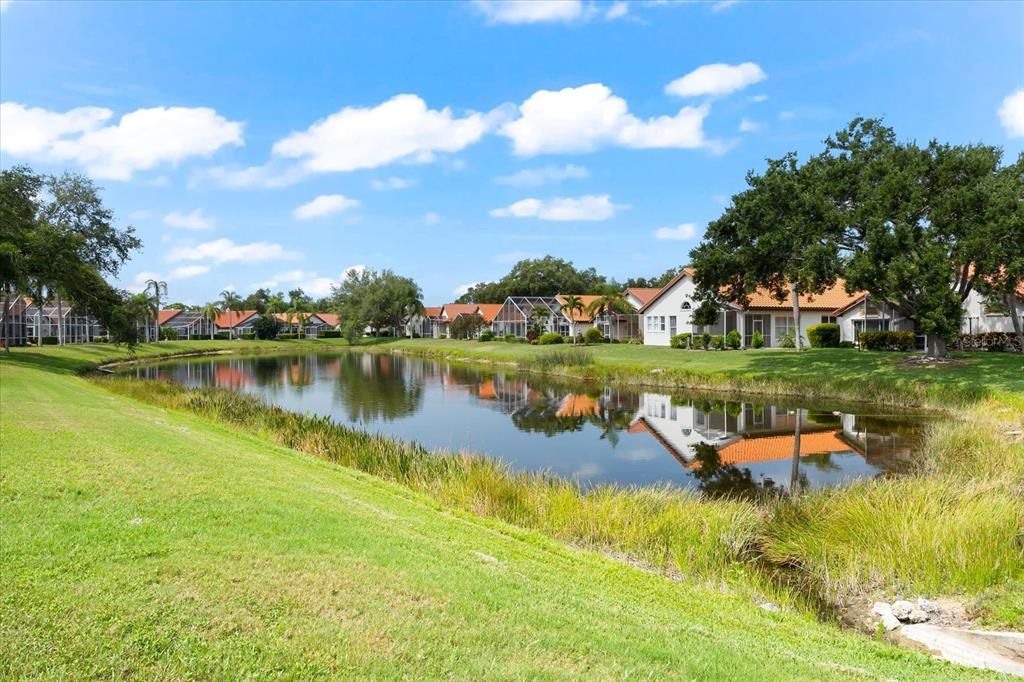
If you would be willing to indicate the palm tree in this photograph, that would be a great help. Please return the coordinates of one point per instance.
(231, 303)
(158, 287)
(572, 304)
(210, 311)
(606, 305)
(140, 307)
(300, 311)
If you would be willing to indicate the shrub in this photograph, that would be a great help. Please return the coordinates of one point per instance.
(636, 340)
(266, 327)
(442, 336)
(705, 340)
(330, 334)
(222, 336)
(847, 344)
(287, 336)
(549, 338)
(101, 339)
(681, 340)
(718, 342)
(532, 334)
(593, 335)
(249, 336)
(563, 357)
(486, 335)
(824, 335)
(757, 340)
(733, 340)
(168, 334)
(991, 341)
(50, 340)
(887, 340)
(787, 341)
(511, 338)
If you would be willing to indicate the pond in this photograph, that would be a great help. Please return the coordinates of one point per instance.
(584, 431)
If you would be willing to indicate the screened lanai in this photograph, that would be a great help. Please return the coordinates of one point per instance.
(519, 313)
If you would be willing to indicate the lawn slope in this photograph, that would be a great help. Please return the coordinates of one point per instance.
(143, 542)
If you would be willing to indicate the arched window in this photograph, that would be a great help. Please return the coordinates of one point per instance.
(686, 306)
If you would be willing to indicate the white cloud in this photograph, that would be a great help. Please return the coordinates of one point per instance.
(530, 11)
(588, 117)
(589, 207)
(535, 177)
(226, 251)
(758, 98)
(678, 233)
(787, 115)
(312, 283)
(716, 79)
(618, 10)
(402, 128)
(189, 221)
(4, 4)
(392, 183)
(324, 205)
(1011, 114)
(186, 271)
(267, 176)
(141, 140)
(464, 288)
(748, 126)
(431, 218)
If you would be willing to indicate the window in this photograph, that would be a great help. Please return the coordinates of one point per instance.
(784, 327)
(662, 323)
(828, 319)
(685, 306)
(672, 325)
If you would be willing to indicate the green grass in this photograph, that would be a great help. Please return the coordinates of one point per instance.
(145, 542)
(883, 378)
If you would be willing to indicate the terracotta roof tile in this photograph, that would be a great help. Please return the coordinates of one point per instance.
(577, 316)
(751, 449)
(830, 299)
(643, 294)
(453, 310)
(489, 311)
(165, 316)
(432, 311)
(230, 319)
(330, 318)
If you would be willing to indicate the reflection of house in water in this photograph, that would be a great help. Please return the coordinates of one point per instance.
(743, 433)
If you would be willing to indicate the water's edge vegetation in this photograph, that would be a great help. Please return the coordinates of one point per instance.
(955, 527)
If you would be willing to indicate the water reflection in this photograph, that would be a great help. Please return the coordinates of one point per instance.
(594, 433)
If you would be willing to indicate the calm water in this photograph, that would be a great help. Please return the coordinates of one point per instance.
(591, 433)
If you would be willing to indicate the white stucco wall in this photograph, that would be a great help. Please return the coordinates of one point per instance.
(976, 321)
(670, 303)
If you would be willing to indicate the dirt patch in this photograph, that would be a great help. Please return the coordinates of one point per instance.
(927, 362)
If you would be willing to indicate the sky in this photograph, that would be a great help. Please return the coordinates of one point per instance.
(280, 145)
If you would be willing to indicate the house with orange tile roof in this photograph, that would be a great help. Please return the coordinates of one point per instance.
(236, 322)
(187, 324)
(670, 312)
(425, 325)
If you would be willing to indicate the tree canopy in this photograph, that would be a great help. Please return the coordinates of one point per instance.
(547, 276)
(379, 300)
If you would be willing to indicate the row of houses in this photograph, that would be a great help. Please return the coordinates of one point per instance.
(28, 322)
(669, 311)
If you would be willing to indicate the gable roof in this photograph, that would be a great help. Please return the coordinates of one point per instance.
(165, 316)
(642, 294)
(232, 318)
(685, 272)
(749, 449)
(432, 311)
(578, 316)
(453, 310)
(489, 311)
(331, 319)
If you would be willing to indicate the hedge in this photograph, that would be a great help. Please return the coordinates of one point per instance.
(988, 341)
(549, 338)
(887, 340)
(485, 336)
(287, 336)
(222, 336)
(825, 335)
(329, 334)
(593, 335)
(681, 340)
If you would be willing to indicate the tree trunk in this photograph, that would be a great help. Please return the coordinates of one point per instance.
(7, 319)
(936, 347)
(795, 297)
(60, 321)
(1011, 302)
(794, 478)
(39, 319)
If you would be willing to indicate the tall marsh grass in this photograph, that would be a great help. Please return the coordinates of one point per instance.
(550, 360)
(957, 525)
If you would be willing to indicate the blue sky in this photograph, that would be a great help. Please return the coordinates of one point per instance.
(280, 144)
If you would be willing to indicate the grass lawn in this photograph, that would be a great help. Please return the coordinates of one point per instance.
(146, 542)
(836, 373)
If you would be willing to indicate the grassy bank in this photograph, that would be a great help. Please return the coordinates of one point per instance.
(146, 542)
(883, 378)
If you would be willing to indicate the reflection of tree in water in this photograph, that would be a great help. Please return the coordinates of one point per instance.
(821, 461)
(551, 410)
(716, 479)
(372, 386)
